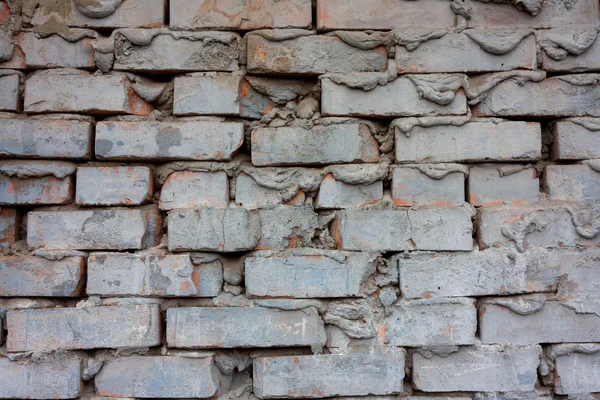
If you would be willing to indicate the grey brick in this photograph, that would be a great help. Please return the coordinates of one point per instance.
(213, 229)
(442, 228)
(383, 14)
(496, 141)
(35, 191)
(83, 328)
(53, 378)
(572, 183)
(309, 273)
(38, 138)
(76, 91)
(311, 55)
(156, 377)
(410, 186)
(204, 51)
(574, 141)
(554, 322)
(114, 186)
(334, 194)
(114, 274)
(96, 229)
(576, 372)
(431, 322)
(478, 369)
(457, 52)
(168, 140)
(319, 145)
(54, 51)
(479, 273)
(526, 227)
(355, 374)
(207, 94)
(185, 14)
(286, 227)
(36, 276)
(187, 189)
(10, 98)
(497, 184)
(398, 98)
(559, 96)
(241, 327)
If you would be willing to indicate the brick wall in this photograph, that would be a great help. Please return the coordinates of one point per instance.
(300, 199)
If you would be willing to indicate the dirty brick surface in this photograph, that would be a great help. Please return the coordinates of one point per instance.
(300, 199)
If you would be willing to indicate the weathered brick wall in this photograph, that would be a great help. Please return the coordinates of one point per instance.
(300, 199)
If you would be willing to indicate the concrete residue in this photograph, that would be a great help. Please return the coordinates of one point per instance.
(586, 222)
(279, 35)
(522, 305)
(438, 351)
(290, 305)
(439, 171)
(280, 90)
(480, 85)
(97, 8)
(462, 8)
(510, 169)
(56, 255)
(365, 80)
(228, 362)
(517, 231)
(580, 79)
(498, 41)
(593, 164)
(353, 317)
(7, 48)
(37, 169)
(564, 349)
(438, 88)
(533, 7)
(413, 37)
(558, 43)
(406, 125)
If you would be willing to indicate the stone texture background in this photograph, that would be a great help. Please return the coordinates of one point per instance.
(244, 199)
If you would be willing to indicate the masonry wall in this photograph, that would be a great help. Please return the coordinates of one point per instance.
(294, 199)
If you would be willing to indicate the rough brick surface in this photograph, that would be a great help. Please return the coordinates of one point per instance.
(154, 376)
(113, 186)
(256, 199)
(37, 138)
(174, 140)
(573, 140)
(572, 183)
(193, 14)
(484, 369)
(413, 186)
(493, 185)
(45, 379)
(213, 229)
(205, 51)
(35, 191)
(432, 322)
(99, 229)
(504, 141)
(195, 189)
(207, 94)
(560, 96)
(306, 274)
(284, 146)
(398, 98)
(536, 322)
(243, 327)
(114, 274)
(9, 225)
(36, 276)
(83, 328)
(383, 14)
(576, 372)
(9, 89)
(78, 92)
(329, 375)
(311, 55)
